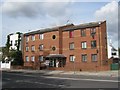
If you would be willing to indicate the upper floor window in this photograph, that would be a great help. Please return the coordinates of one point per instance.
(93, 30)
(83, 32)
(41, 58)
(27, 58)
(84, 45)
(71, 35)
(41, 36)
(71, 46)
(16, 42)
(53, 37)
(33, 37)
(93, 44)
(11, 42)
(33, 48)
(94, 57)
(27, 48)
(41, 47)
(27, 38)
(33, 58)
(72, 58)
(84, 57)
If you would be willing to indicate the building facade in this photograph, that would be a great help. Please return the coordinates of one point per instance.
(70, 47)
(15, 41)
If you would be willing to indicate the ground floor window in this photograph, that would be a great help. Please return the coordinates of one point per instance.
(56, 63)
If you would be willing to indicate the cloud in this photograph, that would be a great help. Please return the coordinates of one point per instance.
(57, 11)
(33, 9)
(109, 12)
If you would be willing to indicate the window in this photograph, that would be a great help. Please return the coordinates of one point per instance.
(41, 36)
(11, 43)
(41, 47)
(94, 57)
(33, 58)
(41, 58)
(27, 38)
(93, 30)
(53, 48)
(33, 37)
(27, 58)
(84, 45)
(71, 46)
(71, 35)
(27, 48)
(83, 32)
(93, 44)
(72, 58)
(84, 57)
(33, 48)
(16, 41)
(53, 37)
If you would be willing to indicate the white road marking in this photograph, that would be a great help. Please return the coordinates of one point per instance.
(7, 78)
(63, 78)
(28, 81)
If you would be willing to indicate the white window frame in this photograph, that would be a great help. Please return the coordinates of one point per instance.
(27, 38)
(84, 45)
(33, 37)
(32, 48)
(41, 36)
(27, 48)
(94, 57)
(71, 46)
(27, 59)
(41, 46)
(84, 57)
(41, 58)
(33, 58)
(72, 58)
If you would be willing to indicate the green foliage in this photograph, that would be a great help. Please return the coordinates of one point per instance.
(119, 51)
(8, 43)
(5, 52)
(17, 56)
(19, 40)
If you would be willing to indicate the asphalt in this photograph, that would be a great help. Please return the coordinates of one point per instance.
(12, 79)
(114, 73)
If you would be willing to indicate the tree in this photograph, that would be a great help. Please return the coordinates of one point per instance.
(19, 40)
(119, 51)
(17, 57)
(8, 43)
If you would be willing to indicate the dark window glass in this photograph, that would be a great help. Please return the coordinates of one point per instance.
(53, 37)
(83, 32)
(93, 44)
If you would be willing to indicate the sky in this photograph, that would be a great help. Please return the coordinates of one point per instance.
(30, 15)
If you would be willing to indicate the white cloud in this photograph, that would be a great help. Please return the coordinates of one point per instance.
(109, 12)
(33, 9)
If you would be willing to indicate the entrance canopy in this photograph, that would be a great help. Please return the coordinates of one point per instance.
(57, 56)
(56, 60)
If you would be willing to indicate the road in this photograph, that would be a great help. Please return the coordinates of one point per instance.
(29, 80)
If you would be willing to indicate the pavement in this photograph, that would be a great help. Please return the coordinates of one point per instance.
(112, 73)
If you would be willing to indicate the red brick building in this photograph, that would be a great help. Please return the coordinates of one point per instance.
(69, 47)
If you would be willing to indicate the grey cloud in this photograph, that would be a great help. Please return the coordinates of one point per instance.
(33, 9)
